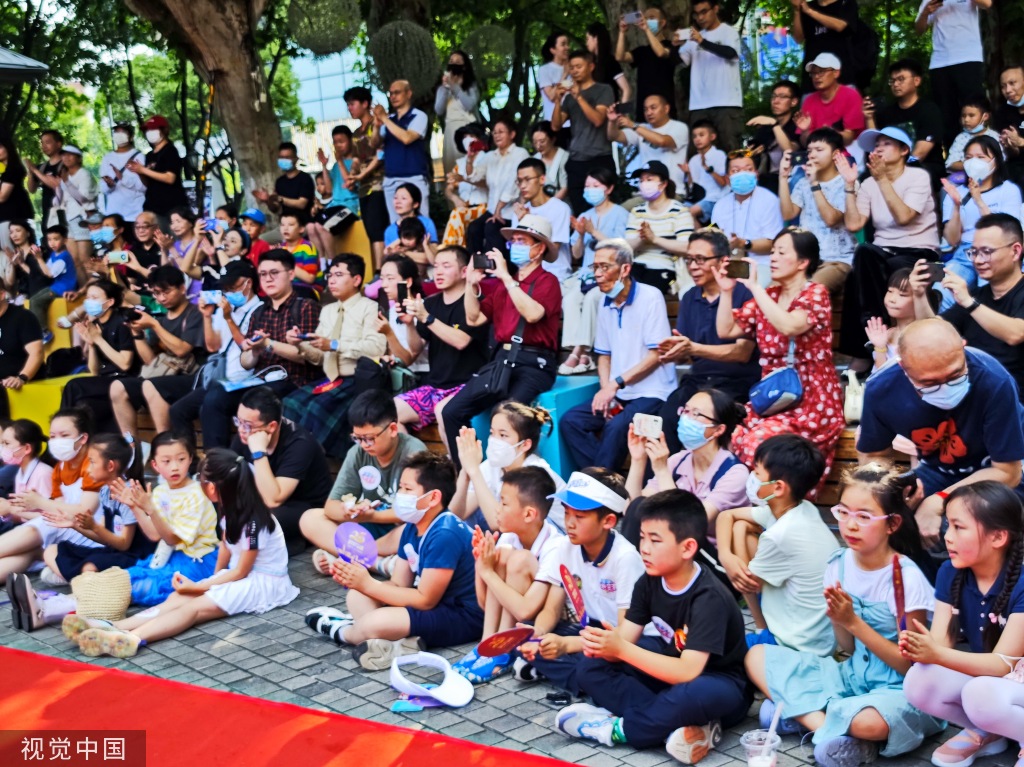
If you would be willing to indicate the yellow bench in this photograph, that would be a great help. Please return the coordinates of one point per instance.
(355, 240)
(39, 400)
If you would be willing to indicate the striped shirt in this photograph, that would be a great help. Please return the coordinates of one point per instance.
(189, 513)
(672, 223)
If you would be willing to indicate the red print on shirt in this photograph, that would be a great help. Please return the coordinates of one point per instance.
(942, 438)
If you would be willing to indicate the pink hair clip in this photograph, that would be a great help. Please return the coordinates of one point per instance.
(997, 619)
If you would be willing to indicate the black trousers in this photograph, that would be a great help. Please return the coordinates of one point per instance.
(865, 291)
(483, 235)
(950, 87)
(94, 393)
(576, 172)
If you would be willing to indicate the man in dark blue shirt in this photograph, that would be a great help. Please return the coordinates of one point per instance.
(958, 405)
(715, 363)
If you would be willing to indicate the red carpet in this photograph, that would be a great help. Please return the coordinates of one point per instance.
(188, 725)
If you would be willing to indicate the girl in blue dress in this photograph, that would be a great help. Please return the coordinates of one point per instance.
(856, 709)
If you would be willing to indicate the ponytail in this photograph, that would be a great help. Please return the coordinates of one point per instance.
(240, 502)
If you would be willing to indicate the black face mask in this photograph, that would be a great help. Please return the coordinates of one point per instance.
(457, 69)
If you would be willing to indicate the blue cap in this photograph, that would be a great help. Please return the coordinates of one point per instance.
(867, 139)
(255, 215)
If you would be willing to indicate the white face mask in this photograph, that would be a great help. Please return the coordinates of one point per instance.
(754, 486)
(63, 448)
(978, 168)
(153, 137)
(501, 454)
(405, 509)
(120, 138)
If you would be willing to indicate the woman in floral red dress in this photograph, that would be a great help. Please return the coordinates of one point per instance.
(794, 308)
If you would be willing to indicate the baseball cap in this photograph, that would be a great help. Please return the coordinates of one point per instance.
(584, 493)
(156, 121)
(255, 214)
(866, 140)
(238, 270)
(653, 167)
(825, 61)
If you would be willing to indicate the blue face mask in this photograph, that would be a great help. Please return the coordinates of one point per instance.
(948, 395)
(653, 25)
(519, 254)
(102, 236)
(616, 289)
(691, 432)
(1016, 103)
(743, 182)
(235, 299)
(593, 196)
(93, 307)
(976, 129)
(285, 164)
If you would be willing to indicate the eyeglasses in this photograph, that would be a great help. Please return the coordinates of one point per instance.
(898, 80)
(958, 381)
(985, 254)
(695, 414)
(272, 274)
(602, 268)
(364, 440)
(843, 514)
(526, 180)
(145, 226)
(700, 260)
(244, 427)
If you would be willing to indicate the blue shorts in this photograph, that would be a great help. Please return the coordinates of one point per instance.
(446, 625)
(764, 636)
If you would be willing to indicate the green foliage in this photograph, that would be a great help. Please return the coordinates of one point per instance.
(324, 26)
(403, 50)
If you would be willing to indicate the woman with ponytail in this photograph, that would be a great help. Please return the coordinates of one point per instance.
(979, 594)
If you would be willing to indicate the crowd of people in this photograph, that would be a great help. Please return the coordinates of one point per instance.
(700, 450)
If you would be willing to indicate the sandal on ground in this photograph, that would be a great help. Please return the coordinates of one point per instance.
(568, 367)
(322, 561)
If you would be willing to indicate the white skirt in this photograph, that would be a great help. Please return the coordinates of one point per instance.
(256, 593)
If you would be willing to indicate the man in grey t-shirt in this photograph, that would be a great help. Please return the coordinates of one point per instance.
(586, 106)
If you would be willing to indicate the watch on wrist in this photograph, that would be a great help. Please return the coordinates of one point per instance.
(23, 377)
(620, 382)
(429, 320)
(334, 344)
(972, 306)
(815, 187)
(747, 244)
(258, 454)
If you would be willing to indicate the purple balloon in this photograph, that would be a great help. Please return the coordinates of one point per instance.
(355, 544)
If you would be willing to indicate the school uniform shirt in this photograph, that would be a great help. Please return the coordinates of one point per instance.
(715, 80)
(671, 157)
(297, 456)
(914, 187)
(448, 366)
(628, 333)
(1011, 304)
(301, 186)
(976, 608)
(672, 223)
(493, 479)
(18, 328)
(38, 477)
(362, 475)
(128, 194)
(791, 557)
(987, 426)
(876, 585)
(447, 544)
(558, 214)
(191, 517)
(162, 198)
(956, 33)
(545, 547)
(716, 161)
(837, 242)
(606, 583)
(702, 616)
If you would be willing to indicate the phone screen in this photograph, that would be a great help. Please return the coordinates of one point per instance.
(737, 270)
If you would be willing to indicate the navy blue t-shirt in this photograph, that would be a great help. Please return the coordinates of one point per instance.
(987, 426)
(447, 545)
(696, 321)
(974, 606)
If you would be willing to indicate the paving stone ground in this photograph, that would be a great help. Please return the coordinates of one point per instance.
(275, 657)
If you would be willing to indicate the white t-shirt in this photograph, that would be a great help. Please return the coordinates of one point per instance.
(714, 81)
(1004, 198)
(471, 193)
(128, 193)
(498, 172)
(956, 33)
(492, 478)
(547, 75)
(544, 549)
(558, 213)
(791, 557)
(876, 585)
(716, 160)
(241, 317)
(679, 133)
(837, 242)
(760, 215)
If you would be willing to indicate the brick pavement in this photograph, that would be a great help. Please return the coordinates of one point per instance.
(275, 657)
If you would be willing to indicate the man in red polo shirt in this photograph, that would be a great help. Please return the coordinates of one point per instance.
(524, 305)
(832, 105)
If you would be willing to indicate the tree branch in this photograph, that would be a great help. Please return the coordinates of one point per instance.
(278, 58)
(133, 94)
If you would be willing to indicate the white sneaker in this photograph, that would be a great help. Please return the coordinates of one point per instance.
(50, 578)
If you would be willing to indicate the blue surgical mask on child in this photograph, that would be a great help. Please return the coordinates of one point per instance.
(235, 299)
(285, 164)
(754, 486)
(593, 196)
(743, 182)
(519, 254)
(93, 307)
(976, 129)
(691, 432)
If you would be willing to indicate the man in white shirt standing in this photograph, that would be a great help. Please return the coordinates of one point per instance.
(713, 53)
(660, 138)
(531, 179)
(957, 65)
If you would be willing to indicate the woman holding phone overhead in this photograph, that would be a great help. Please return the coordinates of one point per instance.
(792, 324)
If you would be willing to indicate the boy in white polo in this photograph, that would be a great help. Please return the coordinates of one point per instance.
(631, 322)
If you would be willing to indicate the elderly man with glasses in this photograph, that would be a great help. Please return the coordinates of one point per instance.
(957, 405)
(715, 363)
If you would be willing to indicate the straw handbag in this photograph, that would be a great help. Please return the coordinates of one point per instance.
(105, 595)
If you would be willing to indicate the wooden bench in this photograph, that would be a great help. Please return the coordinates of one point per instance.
(845, 460)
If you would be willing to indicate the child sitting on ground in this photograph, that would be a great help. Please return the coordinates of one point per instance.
(507, 586)
(177, 515)
(112, 528)
(251, 571)
(853, 706)
(604, 566)
(678, 688)
(21, 445)
(785, 562)
(430, 599)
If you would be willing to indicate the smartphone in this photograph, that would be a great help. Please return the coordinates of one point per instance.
(403, 293)
(682, 35)
(567, 83)
(212, 297)
(482, 262)
(306, 336)
(383, 303)
(633, 17)
(117, 257)
(625, 108)
(797, 159)
(257, 336)
(737, 270)
(216, 223)
(648, 426)
(935, 271)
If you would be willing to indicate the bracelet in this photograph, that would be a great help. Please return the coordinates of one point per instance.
(881, 350)
(851, 190)
(23, 377)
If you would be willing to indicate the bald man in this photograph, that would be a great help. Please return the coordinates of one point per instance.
(960, 408)
(401, 133)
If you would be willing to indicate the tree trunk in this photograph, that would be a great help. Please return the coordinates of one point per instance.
(217, 36)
